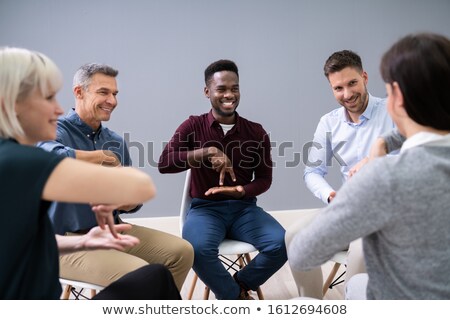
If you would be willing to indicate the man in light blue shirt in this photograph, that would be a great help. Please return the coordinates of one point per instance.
(347, 134)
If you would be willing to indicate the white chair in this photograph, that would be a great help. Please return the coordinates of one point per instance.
(77, 287)
(227, 247)
(338, 259)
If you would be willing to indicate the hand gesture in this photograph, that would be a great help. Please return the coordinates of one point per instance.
(234, 191)
(104, 216)
(221, 163)
(98, 238)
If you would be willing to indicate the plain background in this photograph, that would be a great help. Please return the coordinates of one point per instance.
(161, 48)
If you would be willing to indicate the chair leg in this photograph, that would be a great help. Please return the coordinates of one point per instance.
(206, 293)
(93, 293)
(191, 290)
(330, 278)
(258, 291)
(241, 261)
(66, 292)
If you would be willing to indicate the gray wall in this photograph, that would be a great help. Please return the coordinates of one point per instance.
(161, 48)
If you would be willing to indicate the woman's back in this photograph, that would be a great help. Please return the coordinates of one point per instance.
(409, 256)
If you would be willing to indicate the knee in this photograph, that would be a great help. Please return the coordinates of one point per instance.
(277, 247)
(185, 252)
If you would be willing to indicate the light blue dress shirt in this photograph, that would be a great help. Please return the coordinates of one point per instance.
(347, 142)
(74, 134)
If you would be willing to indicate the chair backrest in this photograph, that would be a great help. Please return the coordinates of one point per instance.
(185, 200)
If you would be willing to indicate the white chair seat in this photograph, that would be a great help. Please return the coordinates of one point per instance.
(340, 257)
(231, 247)
(69, 286)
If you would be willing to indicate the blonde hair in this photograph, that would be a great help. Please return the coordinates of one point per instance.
(22, 71)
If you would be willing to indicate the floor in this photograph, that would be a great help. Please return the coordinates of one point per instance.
(281, 286)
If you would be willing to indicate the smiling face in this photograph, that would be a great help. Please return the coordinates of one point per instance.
(96, 104)
(223, 92)
(350, 90)
(38, 117)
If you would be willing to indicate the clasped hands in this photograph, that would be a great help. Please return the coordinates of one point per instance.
(222, 164)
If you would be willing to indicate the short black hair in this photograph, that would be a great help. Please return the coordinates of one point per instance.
(341, 60)
(220, 65)
(420, 64)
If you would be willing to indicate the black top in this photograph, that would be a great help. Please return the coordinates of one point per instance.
(29, 264)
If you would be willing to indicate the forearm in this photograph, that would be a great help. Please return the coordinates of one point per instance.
(95, 156)
(196, 157)
(175, 159)
(88, 181)
(69, 244)
(58, 148)
(317, 184)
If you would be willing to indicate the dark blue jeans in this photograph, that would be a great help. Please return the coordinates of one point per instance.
(209, 222)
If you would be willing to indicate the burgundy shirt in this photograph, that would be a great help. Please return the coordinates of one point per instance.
(247, 145)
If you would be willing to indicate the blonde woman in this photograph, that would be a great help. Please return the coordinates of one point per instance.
(31, 178)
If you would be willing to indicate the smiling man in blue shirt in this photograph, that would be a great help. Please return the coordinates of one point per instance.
(81, 135)
(347, 134)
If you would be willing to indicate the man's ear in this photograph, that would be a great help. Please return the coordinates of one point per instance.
(78, 92)
(365, 76)
(206, 92)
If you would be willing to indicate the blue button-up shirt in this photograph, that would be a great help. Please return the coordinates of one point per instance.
(74, 134)
(348, 142)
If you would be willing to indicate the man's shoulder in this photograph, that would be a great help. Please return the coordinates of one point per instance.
(198, 117)
(250, 122)
(333, 116)
(65, 126)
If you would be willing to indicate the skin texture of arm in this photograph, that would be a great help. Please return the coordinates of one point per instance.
(102, 157)
(79, 181)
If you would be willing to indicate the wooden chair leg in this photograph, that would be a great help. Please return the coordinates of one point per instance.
(191, 290)
(66, 292)
(330, 278)
(241, 261)
(258, 291)
(93, 293)
(206, 293)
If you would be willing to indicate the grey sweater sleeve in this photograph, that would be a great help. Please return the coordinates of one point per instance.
(355, 212)
(393, 139)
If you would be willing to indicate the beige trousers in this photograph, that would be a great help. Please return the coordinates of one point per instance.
(102, 267)
(310, 283)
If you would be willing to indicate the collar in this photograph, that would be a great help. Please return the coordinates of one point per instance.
(75, 119)
(426, 138)
(212, 121)
(367, 114)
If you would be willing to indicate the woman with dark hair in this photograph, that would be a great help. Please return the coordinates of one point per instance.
(399, 205)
